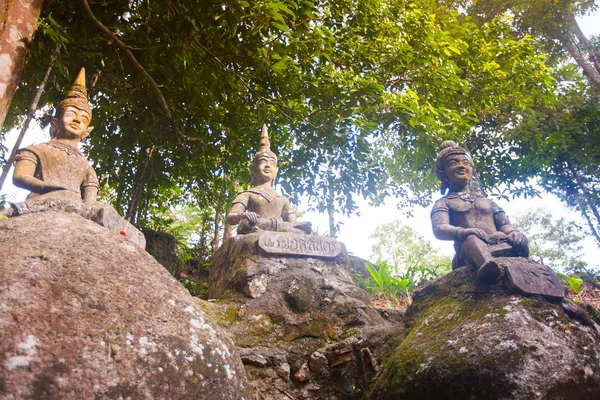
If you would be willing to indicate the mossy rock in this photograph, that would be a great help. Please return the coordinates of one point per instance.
(464, 341)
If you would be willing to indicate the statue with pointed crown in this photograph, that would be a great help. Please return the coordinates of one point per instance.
(57, 169)
(261, 208)
(471, 220)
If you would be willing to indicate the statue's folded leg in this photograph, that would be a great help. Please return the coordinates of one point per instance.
(476, 251)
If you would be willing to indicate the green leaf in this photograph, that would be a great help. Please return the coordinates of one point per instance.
(374, 274)
(573, 281)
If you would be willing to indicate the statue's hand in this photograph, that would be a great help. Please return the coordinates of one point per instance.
(463, 233)
(517, 240)
(251, 216)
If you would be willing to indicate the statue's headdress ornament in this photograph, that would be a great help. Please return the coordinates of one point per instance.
(445, 149)
(76, 97)
(264, 149)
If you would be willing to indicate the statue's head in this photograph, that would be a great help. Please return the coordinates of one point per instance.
(264, 165)
(73, 114)
(453, 164)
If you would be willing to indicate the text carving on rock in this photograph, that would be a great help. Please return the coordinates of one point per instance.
(282, 243)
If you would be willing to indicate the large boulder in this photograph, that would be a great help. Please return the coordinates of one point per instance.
(84, 313)
(467, 340)
(303, 327)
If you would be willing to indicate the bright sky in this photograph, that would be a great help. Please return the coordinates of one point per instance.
(356, 230)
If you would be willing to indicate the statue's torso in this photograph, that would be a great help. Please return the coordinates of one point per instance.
(470, 210)
(264, 201)
(59, 164)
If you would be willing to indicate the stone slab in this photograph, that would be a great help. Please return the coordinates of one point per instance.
(282, 243)
(530, 278)
(100, 213)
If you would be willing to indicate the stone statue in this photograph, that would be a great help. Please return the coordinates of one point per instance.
(469, 218)
(59, 176)
(261, 208)
(57, 169)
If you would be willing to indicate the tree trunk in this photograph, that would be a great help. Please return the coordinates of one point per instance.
(139, 180)
(331, 205)
(214, 245)
(228, 229)
(18, 21)
(575, 45)
(593, 54)
(30, 114)
(586, 202)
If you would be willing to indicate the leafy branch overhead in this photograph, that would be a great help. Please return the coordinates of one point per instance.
(356, 95)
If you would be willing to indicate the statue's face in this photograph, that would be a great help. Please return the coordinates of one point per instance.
(266, 170)
(458, 169)
(73, 124)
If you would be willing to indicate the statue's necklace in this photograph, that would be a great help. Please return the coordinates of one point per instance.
(72, 151)
(466, 196)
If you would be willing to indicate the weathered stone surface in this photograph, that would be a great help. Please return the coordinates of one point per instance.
(318, 363)
(86, 314)
(465, 340)
(305, 316)
(163, 247)
(282, 243)
(524, 276)
(100, 213)
(303, 374)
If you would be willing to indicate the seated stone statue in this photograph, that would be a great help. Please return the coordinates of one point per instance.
(261, 208)
(59, 176)
(469, 218)
(57, 169)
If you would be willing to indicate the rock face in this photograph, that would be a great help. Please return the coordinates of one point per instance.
(84, 313)
(303, 327)
(464, 340)
(163, 247)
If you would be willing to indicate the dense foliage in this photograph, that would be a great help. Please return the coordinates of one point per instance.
(357, 95)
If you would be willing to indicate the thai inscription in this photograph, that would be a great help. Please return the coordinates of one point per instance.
(302, 245)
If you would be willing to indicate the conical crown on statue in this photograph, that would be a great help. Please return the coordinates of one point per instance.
(264, 149)
(76, 97)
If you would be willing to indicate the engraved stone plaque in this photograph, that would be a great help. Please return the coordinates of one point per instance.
(529, 278)
(282, 243)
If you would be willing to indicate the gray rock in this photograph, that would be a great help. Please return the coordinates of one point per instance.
(318, 363)
(464, 340)
(303, 374)
(88, 314)
(310, 312)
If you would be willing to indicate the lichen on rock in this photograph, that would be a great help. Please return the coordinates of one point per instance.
(86, 314)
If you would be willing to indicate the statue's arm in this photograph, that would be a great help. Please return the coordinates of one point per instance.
(25, 165)
(515, 238)
(23, 176)
(90, 187)
(287, 214)
(238, 211)
(440, 222)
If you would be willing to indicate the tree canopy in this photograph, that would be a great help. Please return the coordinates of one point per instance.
(357, 95)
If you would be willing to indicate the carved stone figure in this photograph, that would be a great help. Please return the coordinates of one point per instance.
(57, 169)
(261, 208)
(468, 218)
(59, 176)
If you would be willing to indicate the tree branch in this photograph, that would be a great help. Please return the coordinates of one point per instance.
(588, 70)
(110, 35)
(584, 42)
